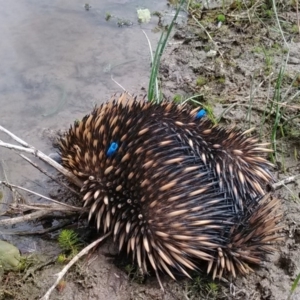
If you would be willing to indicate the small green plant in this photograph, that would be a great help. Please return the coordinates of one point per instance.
(87, 7)
(194, 100)
(134, 274)
(68, 240)
(294, 286)
(221, 80)
(201, 81)
(201, 288)
(159, 15)
(26, 262)
(108, 16)
(268, 61)
(237, 4)
(269, 13)
(62, 258)
(221, 18)
(210, 113)
(193, 5)
(177, 98)
(212, 290)
(123, 22)
(257, 49)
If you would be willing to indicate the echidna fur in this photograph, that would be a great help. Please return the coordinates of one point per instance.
(175, 190)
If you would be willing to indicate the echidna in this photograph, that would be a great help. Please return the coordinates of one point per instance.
(173, 188)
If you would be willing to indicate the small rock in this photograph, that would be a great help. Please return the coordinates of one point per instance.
(9, 255)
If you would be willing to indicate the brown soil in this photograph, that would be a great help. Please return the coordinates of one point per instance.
(234, 68)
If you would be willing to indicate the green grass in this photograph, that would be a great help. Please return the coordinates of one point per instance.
(294, 286)
(154, 95)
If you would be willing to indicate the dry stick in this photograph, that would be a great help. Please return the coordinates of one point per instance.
(278, 24)
(41, 211)
(44, 158)
(39, 195)
(248, 14)
(15, 194)
(29, 217)
(47, 174)
(62, 273)
(52, 207)
(29, 149)
(285, 181)
(14, 137)
(117, 83)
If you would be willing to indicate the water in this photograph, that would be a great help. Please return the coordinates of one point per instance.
(57, 60)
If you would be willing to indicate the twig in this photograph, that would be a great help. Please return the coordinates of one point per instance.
(29, 149)
(248, 14)
(14, 137)
(50, 176)
(15, 194)
(149, 44)
(10, 186)
(62, 273)
(209, 36)
(44, 158)
(285, 181)
(278, 23)
(117, 83)
(52, 207)
(29, 217)
(41, 211)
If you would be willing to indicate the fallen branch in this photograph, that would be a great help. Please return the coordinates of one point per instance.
(62, 273)
(30, 149)
(11, 186)
(285, 181)
(41, 210)
(26, 218)
(48, 175)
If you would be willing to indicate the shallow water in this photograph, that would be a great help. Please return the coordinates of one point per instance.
(57, 59)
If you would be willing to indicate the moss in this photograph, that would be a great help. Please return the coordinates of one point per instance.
(201, 81)
(221, 18)
(207, 48)
(221, 80)
(194, 5)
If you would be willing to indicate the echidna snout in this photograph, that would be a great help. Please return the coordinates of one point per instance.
(172, 188)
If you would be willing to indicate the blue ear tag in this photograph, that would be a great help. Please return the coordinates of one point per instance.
(112, 149)
(200, 114)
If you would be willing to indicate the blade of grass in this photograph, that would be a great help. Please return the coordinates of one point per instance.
(294, 286)
(153, 93)
(276, 101)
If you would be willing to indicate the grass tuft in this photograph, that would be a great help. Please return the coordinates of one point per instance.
(154, 95)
